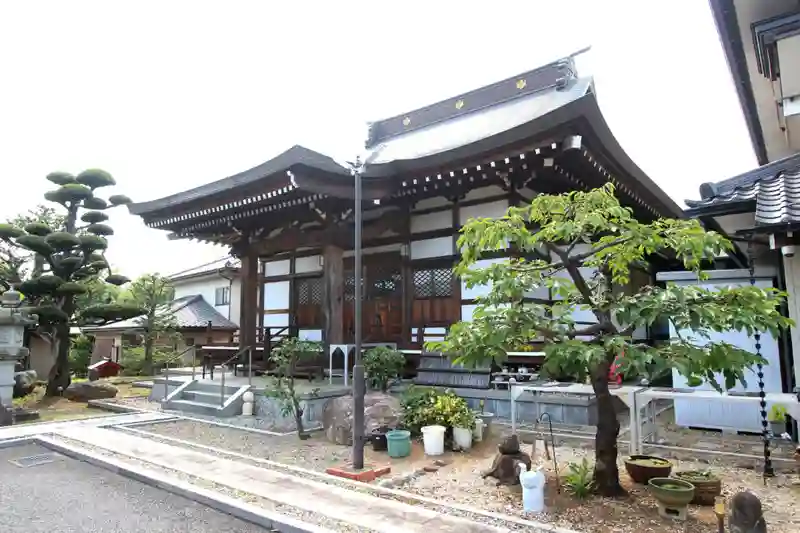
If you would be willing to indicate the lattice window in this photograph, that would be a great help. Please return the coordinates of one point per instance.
(309, 291)
(433, 283)
(349, 287)
(385, 282)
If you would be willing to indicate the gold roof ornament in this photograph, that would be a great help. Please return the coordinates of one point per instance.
(459, 104)
(521, 84)
(406, 121)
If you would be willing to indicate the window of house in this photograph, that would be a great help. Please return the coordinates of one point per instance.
(309, 291)
(222, 296)
(433, 283)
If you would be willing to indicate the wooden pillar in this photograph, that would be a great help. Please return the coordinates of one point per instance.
(333, 294)
(248, 312)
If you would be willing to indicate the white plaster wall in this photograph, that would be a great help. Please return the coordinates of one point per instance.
(206, 286)
(791, 266)
(438, 247)
(730, 415)
(311, 263)
(484, 192)
(431, 221)
(429, 203)
(277, 268)
(236, 300)
(496, 209)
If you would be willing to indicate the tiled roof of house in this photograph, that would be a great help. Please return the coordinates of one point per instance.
(774, 190)
(189, 311)
(207, 268)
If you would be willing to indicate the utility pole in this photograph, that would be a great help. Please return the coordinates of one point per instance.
(359, 382)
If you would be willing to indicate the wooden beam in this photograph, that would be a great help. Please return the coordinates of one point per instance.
(248, 310)
(338, 235)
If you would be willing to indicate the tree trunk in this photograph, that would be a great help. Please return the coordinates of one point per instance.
(59, 378)
(606, 471)
(147, 366)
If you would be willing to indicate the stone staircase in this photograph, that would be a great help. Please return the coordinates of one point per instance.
(206, 398)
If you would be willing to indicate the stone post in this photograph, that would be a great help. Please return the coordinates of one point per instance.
(12, 329)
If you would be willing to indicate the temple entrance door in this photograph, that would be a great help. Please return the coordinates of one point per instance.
(382, 309)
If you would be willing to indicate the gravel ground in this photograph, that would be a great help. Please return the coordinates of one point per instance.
(460, 483)
(288, 510)
(45, 498)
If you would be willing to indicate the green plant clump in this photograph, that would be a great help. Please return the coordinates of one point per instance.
(429, 407)
(778, 413)
(382, 365)
(579, 480)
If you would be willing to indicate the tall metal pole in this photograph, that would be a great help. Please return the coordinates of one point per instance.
(359, 383)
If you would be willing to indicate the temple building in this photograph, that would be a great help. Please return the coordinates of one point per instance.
(289, 221)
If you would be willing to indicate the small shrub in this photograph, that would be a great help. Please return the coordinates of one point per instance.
(382, 365)
(427, 407)
(579, 479)
(132, 359)
(778, 413)
(290, 354)
(80, 355)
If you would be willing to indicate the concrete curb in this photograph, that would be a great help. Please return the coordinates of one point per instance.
(219, 502)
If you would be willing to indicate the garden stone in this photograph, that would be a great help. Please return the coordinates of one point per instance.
(379, 410)
(90, 390)
(508, 462)
(746, 515)
(24, 383)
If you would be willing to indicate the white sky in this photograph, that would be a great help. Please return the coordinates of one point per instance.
(170, 95)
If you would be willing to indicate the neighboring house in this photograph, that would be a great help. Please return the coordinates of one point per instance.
(218, 283)
(198, 322)
(760, 209)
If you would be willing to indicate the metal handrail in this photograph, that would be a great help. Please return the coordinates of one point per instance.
(172, 360)
(249, 350)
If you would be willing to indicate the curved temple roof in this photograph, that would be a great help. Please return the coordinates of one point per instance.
(534, 105)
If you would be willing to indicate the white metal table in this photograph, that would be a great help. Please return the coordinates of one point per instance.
(626, 393)
(346, 351)
(647, 395)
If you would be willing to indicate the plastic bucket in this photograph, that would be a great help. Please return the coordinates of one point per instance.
(532, 482)
(433, 439)
(462, 438)
(398, 443)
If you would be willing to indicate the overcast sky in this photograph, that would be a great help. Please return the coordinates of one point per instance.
(170, 95)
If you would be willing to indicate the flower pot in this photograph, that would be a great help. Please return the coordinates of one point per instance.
(433, 439)
(462, 438)
(487, 423)
(671, 492)
(399, 443)
(477, 433)
(378, 440)
(643, 468)
(778, 428)
(706, 486)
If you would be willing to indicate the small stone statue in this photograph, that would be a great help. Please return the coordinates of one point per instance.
(508, 464)
(746, 515)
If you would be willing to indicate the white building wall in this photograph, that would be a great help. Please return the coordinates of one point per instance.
(791, 267)
(206, 286)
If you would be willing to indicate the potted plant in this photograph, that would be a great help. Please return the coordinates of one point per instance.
(707, 486)
(671, 492)
(777, 419)
(486, 417)
(382, 365)
(462, 422)
(643, 468)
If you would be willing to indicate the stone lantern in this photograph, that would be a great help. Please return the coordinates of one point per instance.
(13, 320)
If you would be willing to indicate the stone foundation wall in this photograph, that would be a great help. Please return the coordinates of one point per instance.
(270, 409)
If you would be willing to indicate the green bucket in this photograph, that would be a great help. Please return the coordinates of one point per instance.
(398, 443)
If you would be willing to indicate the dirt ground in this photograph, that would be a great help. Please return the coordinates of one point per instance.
(58, 408)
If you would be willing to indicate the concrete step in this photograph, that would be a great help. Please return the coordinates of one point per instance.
(213, 386)
(203, 396)
(191, 406)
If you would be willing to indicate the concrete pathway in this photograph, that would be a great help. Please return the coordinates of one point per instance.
(40, 428)
(376, 514)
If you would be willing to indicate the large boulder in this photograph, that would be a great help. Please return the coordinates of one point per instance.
(24, 383)
(84, 391)
(379, 410)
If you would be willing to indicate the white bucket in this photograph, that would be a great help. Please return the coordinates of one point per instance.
(532, 490)
(462, 437)
(433, 439)
(477, 433)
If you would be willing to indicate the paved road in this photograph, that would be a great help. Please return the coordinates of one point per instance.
(69, 496)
